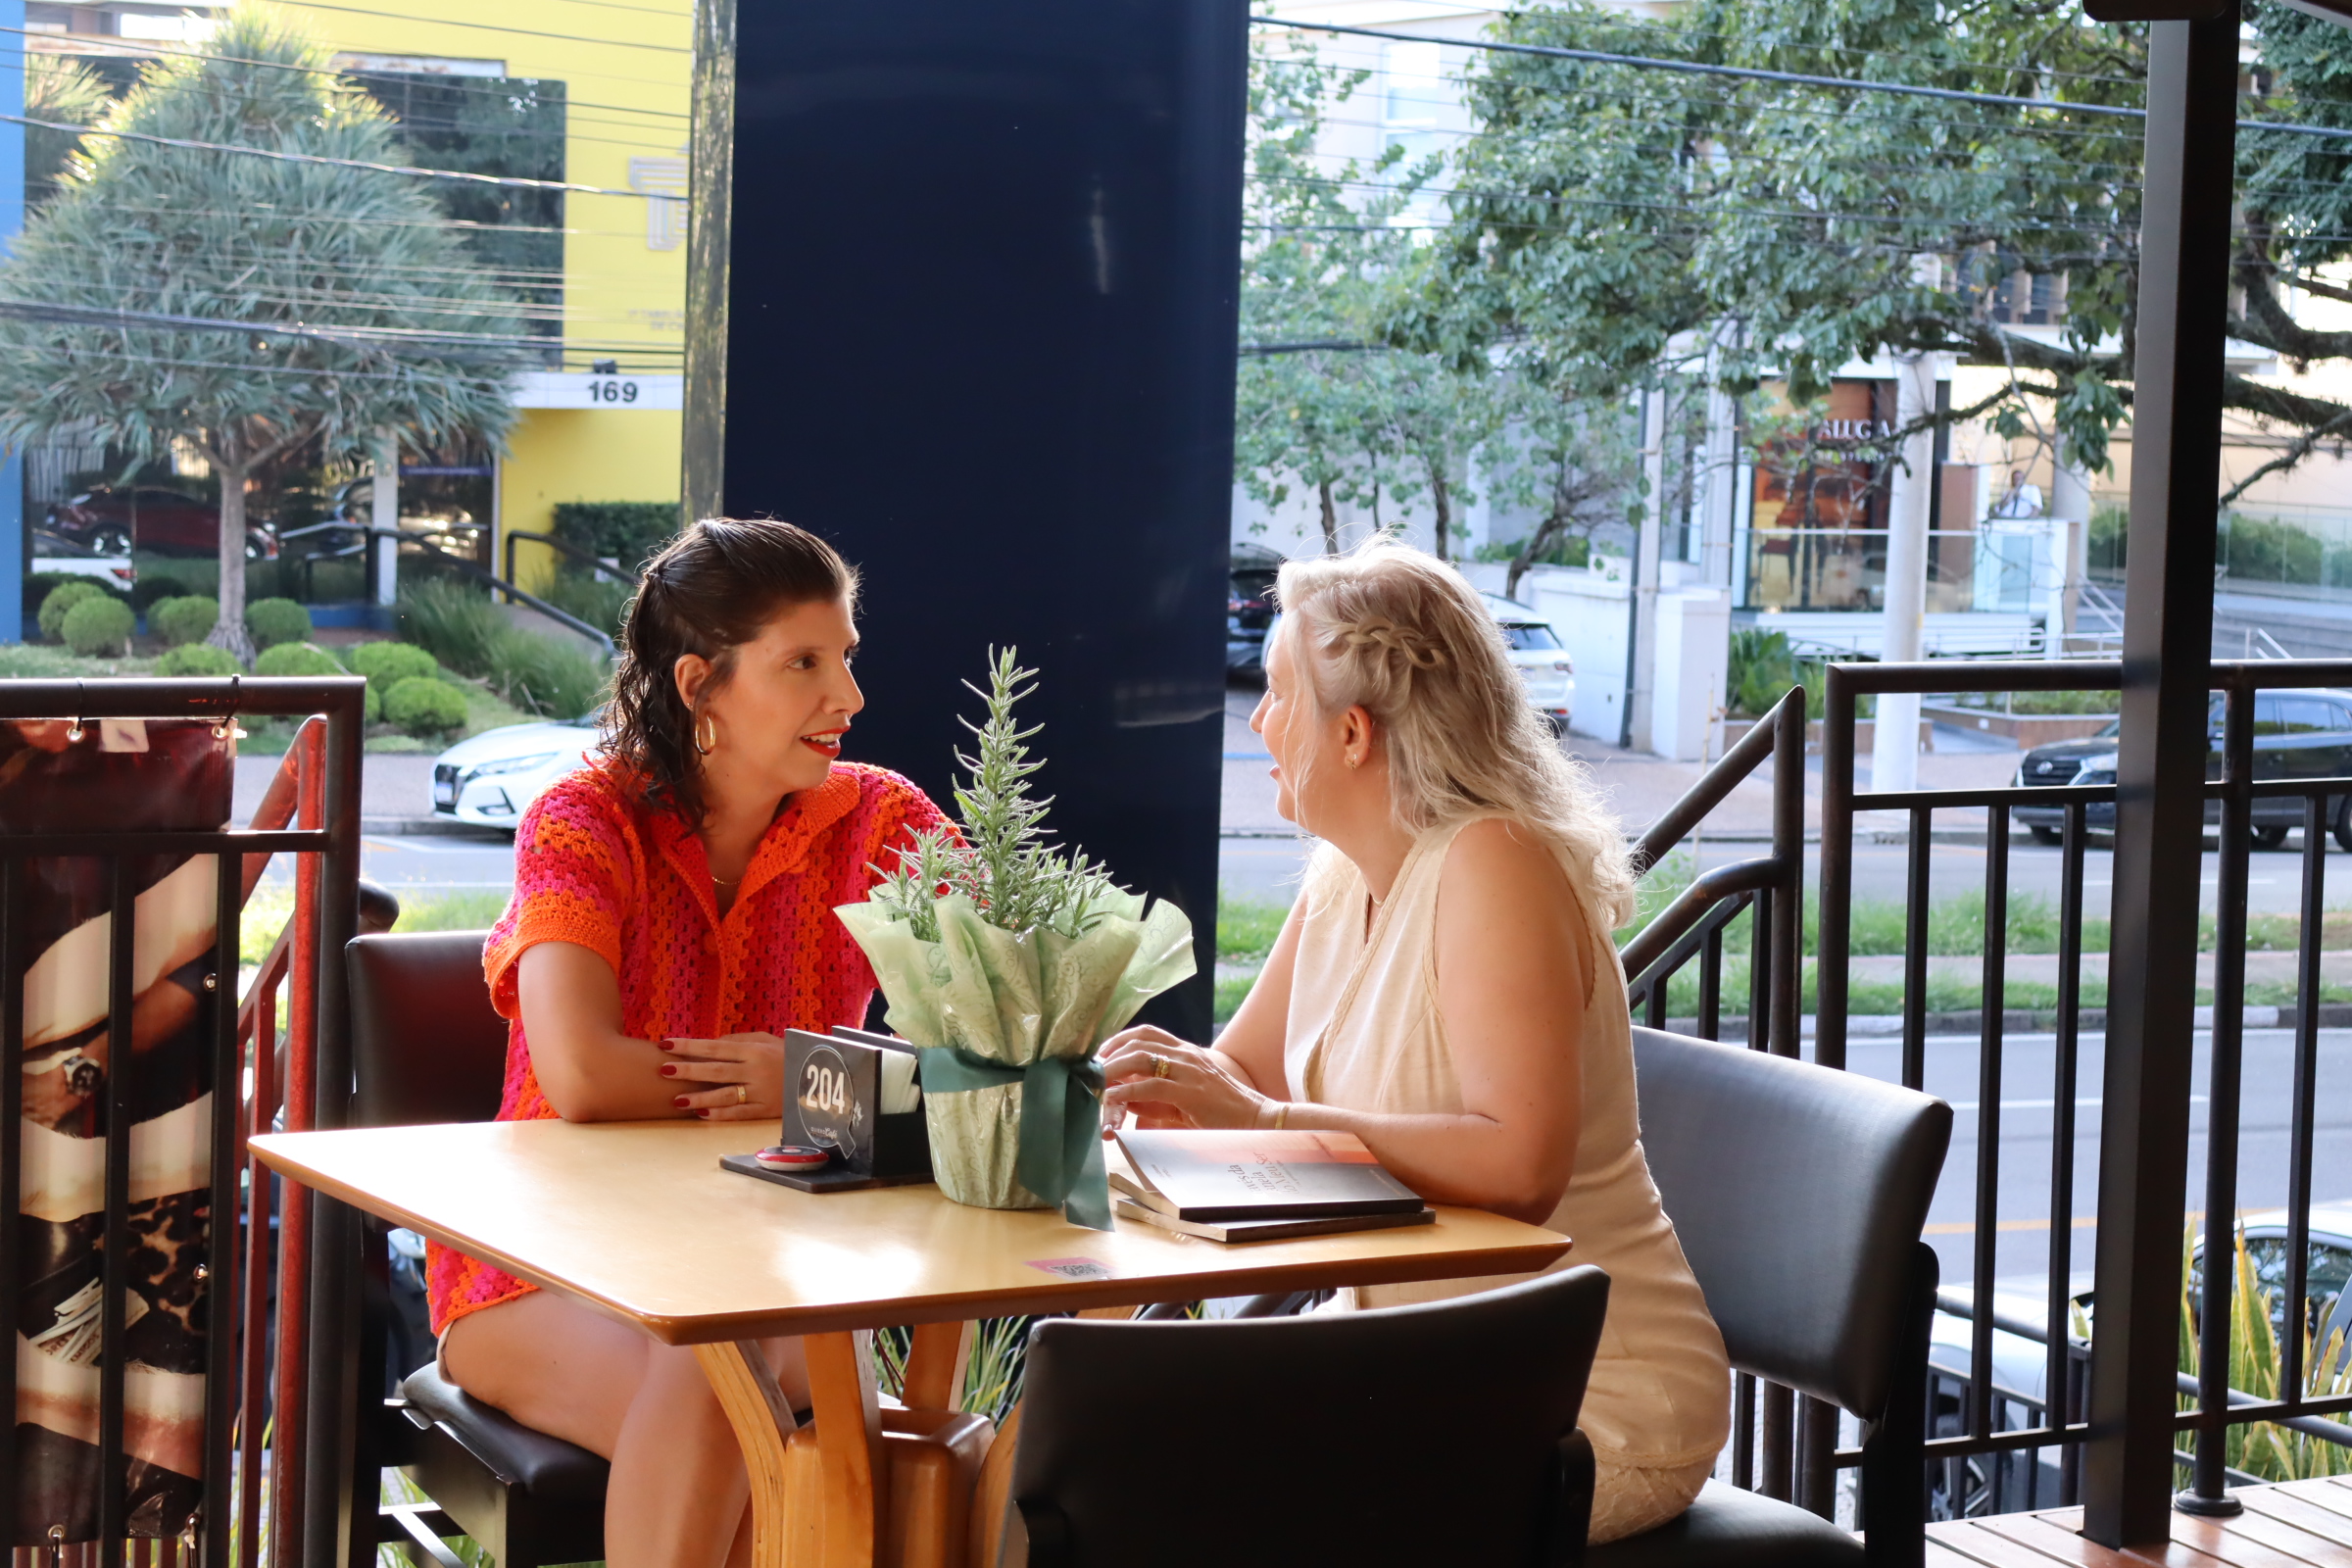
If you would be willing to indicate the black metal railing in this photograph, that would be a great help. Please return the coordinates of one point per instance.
(570, 551)
(1990, 1419)
(368, 532)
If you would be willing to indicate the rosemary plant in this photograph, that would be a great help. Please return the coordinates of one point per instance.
(1002, 860)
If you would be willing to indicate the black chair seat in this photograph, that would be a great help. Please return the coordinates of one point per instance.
(1728, 1527)
(505, 1483)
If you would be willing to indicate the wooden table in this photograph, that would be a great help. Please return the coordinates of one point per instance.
(638, 1221)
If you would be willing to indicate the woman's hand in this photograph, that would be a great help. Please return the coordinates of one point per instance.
(1167, 1083)
(747, 1072)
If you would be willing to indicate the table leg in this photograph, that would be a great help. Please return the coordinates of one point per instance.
(849, 1441)
(936, 1361)
(756, 1407)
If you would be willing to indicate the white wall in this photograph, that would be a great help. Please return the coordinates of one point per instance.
(1694, 630)
(1589, 609)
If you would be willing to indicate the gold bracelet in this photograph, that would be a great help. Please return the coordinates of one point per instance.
(1281, 1109)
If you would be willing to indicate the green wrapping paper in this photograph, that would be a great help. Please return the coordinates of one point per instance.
(1008, 1023)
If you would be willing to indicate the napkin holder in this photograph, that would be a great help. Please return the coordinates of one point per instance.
(833, 1093)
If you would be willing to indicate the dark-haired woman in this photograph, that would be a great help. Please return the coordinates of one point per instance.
(671, 918)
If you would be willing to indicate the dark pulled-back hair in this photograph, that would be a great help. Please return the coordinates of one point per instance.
(710, 591)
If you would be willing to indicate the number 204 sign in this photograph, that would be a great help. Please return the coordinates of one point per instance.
(832, 1091)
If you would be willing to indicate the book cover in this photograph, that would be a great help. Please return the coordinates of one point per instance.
(1258, 1174)
(1271, 1230)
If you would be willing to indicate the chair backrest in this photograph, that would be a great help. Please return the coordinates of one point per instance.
(425, 1044)
(1427, 1433)
(1799, 1194)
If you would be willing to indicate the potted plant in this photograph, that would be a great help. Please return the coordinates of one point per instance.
(1007, 960)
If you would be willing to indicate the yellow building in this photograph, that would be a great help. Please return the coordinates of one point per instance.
(605, 426)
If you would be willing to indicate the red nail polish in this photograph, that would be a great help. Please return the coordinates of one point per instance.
(705, 1115)
(668, 1045)
(679, 1102)
(669, 1069)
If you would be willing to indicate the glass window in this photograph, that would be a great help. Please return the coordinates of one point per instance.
(2268, 719)
(1527, 638)
(2305, 715)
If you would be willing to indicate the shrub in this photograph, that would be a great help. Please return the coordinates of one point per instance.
(424, 705)
(299, 659)
(185, 619)
(150, 591)
(101, 624)
(277, 620)
(198, 658)
(62, 598)
(387, 664)
(469, 634)
(625, 532)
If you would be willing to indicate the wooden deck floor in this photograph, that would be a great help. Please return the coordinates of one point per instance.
(2284, 1525)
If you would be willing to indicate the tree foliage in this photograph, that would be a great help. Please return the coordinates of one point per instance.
(1615, 218)
(279, 244)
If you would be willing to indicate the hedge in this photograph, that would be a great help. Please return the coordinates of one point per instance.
(101, 624)
(626, 531)
(62, 598)
(299, 659)
(186, 619)
(277, 620)
(422, 704)
(387, 664)
(198, 658)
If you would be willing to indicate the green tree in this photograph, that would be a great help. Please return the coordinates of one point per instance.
(282, 245)
(1606, 216)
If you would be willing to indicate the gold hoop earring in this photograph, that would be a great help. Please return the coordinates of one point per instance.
(705, 734)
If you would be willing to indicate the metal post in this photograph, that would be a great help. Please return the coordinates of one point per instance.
(2160, 810)
(2207, 1492)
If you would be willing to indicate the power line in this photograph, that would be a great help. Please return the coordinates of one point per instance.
(1696, 68)
(501, 180)
(493, 27)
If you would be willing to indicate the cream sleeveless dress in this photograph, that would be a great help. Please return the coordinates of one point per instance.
(1363, 1032)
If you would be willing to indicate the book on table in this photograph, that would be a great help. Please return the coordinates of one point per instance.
(1266, 1230)
(1252, 1176)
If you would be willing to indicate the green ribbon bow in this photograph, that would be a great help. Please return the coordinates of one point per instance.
(1060, 1154)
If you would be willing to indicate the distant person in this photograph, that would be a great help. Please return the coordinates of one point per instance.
(672, 916)
(1445, 987)
(2024, 499)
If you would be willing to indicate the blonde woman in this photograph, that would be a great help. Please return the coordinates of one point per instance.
(1445, 989)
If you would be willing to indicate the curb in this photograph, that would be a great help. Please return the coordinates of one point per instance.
(429, 827)
(2016, 1020)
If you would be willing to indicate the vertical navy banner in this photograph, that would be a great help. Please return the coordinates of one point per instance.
(981, 333)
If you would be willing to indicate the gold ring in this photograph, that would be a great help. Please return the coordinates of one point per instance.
(743, 1095)
(1160, 1067)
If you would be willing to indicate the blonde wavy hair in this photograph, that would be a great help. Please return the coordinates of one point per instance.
(1401, 634)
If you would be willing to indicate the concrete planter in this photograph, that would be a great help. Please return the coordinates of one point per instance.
(2028, 730)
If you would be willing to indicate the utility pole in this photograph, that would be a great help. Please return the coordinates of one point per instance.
(1895, 743)
(1642, 658)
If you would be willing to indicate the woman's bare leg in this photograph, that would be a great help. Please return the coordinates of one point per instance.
(678, 1497)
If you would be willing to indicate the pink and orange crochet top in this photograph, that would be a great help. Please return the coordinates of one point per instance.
(594, 863)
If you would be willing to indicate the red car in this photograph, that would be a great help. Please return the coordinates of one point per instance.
(115, 520)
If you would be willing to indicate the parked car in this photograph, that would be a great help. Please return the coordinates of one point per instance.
(1249, 609)
(491, 779)
(114, 519)
(53, 552)
(2297, 734)
(1543, 662)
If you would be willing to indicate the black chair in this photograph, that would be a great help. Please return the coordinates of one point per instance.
(427, 1047)
(1437, 1433)
(1799, 1194)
